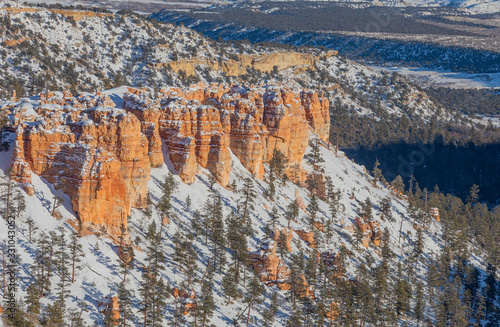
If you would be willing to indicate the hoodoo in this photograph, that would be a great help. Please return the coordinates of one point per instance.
(101, 155)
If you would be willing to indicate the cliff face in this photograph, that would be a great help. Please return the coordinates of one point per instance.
(202, 123)
(97, 156)
(101, 156)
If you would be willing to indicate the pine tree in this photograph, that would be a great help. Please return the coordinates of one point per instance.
(385, 208)
(419, 309)
(20, 204)
(490, 292)
(334, 198)
(54, 314)
(33, 299)
(473, 194)
(398, 184)
(292, 212)
(313, 206)
(63, 260)
(237, 244)
(255, 290)
(206, 305)
(247, 200)
(49, 259)
(7, 186)
(402, 291)
(229, 283)
(295, 319)
(366, 210)
(76, 250)
(278, 162)
(275, 216)
(188, 203)
(168, 188)
(315, 154)
(31, 227)
(270, 313)
(125, 304)
(377, 172)
(152, 288)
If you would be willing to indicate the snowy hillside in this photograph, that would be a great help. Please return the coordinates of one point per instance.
(99, 275)
(141, 52)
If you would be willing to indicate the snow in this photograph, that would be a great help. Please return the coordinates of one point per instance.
(98, 277)
(445, 78)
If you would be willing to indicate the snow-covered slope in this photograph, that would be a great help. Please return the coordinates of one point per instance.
(99, 276)
(99, 52)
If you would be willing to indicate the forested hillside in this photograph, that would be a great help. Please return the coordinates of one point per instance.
(150, 176)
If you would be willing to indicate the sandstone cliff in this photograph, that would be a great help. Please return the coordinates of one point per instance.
(98, 156)
(101, 155)
(201, 124)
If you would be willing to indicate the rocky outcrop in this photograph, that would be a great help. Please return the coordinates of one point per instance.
(317, 112)
(264, 63)
(110, 303)
(287, 232)
(188, 299)
(307, 236)
(101, 156)
(371, 231)
(201, 124)
(268, 265)
(97, 156)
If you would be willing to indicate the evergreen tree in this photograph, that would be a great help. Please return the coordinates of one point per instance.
(63, 262)
(20, 204)
(188, 203)
(247, 200)
(377, 172)
(237, 244)
(33, 299)
(269, 313)
(398, 184)
(292, 212)
(419, 309)
(229, 284)
(76, 250)
(313, 206)
(278, 162)
(385, 208)
(152, 289)
(125, 304)
(255, 290)
(206, 305)
(31, 227)
(315, 154)
(168, 188)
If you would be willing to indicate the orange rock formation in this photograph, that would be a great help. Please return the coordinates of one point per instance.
(101, 156)
(98, 156)
(201, 124)
(268, 265)
(288, 232)
(371, 231)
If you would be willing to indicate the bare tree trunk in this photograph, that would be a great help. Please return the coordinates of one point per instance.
(249, 309)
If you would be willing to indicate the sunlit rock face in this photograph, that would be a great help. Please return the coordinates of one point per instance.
(101, 155)
(202, 123)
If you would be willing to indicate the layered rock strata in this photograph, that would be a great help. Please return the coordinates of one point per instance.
(97, 156)
(101, 155)
(201, 124)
